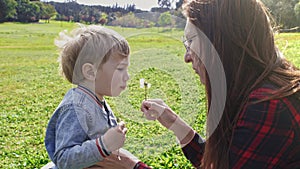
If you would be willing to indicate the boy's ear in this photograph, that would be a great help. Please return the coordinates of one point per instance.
(88, 71)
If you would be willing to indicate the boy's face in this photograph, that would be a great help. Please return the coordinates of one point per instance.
(112, 76)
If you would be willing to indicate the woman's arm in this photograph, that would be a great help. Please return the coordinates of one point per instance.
(155, 109)
(192, 144)
(194, 150)
(180, 128)
(121, 159)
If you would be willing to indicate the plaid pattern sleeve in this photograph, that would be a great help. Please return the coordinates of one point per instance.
(141, 165)
(194, 150)
(267, 134)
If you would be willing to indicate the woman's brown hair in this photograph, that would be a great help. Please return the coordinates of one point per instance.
(241, 32)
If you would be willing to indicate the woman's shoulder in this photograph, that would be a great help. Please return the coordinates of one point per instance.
(265, 90)
(284, 110)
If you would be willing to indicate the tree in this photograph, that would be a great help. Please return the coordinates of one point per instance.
(27, 11)
(130, 8)
(179, 4)
(283, 11)
(297, 12)
(165, 19)
(165, 3)
(103, 18)
(170, 3)
(7, 9)
(46, 11)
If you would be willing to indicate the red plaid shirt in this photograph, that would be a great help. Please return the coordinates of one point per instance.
(267, 135)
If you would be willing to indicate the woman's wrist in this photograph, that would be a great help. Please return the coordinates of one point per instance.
(167, 118)
(188, 138)
(181, 129)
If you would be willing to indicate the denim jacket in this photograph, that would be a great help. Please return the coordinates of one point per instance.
(74, 129)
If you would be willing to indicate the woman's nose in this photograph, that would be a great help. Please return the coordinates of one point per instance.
(127, 76)
(187, 57)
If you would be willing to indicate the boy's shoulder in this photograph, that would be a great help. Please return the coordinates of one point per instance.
(80, 103)
(76, 98)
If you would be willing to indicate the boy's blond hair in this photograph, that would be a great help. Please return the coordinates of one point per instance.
(87, 44)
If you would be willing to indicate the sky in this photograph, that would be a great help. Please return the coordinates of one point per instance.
(140, 4)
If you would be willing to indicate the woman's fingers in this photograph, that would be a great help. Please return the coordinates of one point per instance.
(152, 110)
(151, 115)
(158, 108)
(158, 101)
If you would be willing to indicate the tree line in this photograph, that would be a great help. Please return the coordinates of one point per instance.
(25, 10)
(286, 13)
(72, 11)
(34, 10)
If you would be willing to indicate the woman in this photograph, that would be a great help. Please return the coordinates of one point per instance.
(259, 126)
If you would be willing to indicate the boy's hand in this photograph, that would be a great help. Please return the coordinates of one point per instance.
(114, 138)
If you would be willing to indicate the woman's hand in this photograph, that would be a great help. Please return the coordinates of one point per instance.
(153, 108)
(126, 161)
(156, 109)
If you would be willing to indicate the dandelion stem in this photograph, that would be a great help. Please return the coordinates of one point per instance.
(145, 84)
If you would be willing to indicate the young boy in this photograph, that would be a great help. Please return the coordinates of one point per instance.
(83, 129)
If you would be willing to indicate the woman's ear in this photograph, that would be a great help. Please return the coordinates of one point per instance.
(88, 71)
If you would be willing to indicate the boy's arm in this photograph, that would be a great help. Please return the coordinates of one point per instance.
(73, 147)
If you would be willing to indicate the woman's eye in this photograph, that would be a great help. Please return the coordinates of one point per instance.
(120, 69)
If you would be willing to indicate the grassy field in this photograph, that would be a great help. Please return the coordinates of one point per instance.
(31, 88)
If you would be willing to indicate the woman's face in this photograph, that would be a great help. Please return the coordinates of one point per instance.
(192, 45)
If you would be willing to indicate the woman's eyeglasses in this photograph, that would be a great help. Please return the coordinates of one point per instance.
(187, 42)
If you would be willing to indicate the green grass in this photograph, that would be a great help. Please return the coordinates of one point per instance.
(31, 88)
(289, 44)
